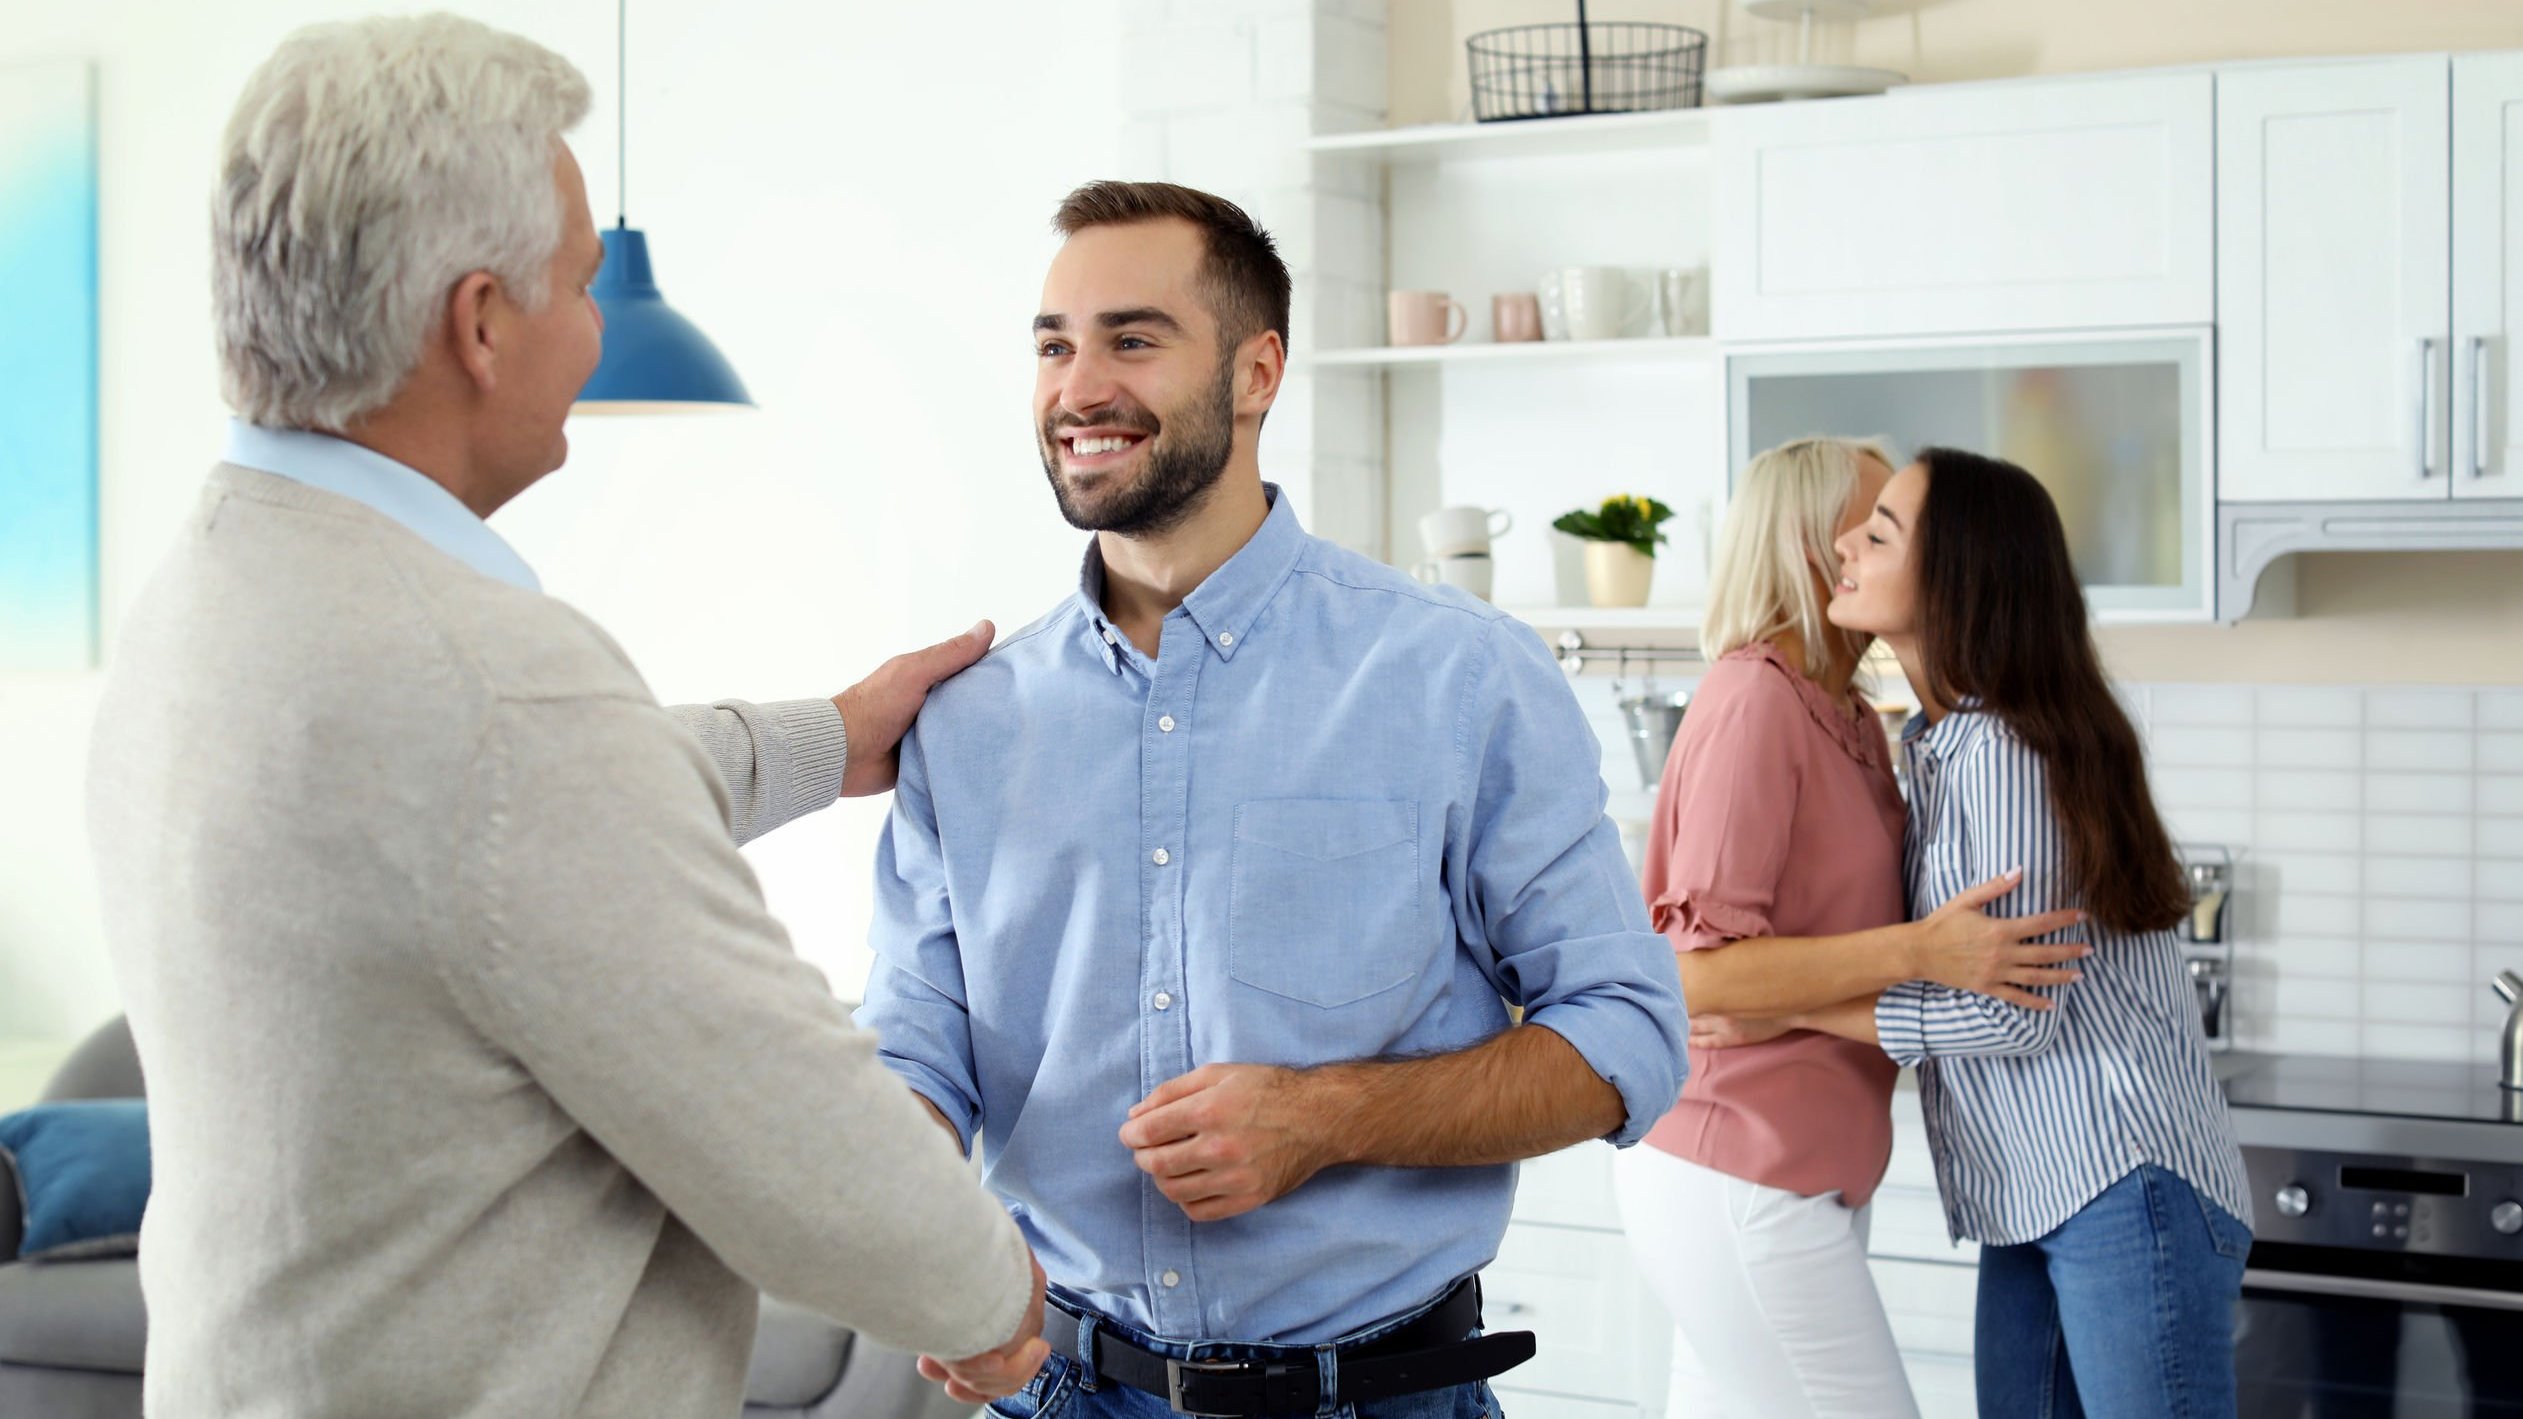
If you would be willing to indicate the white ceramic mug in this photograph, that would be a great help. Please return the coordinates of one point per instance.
(1469, 572)
(1603, 302)
(1460, 531)
(1682, 300)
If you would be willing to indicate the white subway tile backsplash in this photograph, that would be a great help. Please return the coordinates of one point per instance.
(2313, 789)
(2429, 1042)
(2203, 826)
(2418, 709)
(2312, 872)
(2313, 997)
(2437, 1005)
(2414, 919)
(2499, 881)
(2417, 793)
(2417, 877)
(2499, 793)
(2182, 746)
(2309, 749)
(2499, 837)
(2501, 753)
(2308, 707)
(2417, 750)
(2501, 709)
(2417, 835)
(2317, 910)
(2301, 1035)
(2497, 923)
(2310, 956)
(2307, 832)
(2220, 788)
(2200, 704)
(2394, 962)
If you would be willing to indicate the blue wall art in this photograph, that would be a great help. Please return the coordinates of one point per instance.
(48, 377)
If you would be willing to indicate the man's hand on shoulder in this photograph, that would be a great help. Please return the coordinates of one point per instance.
(1227, 1138)
(878, 710)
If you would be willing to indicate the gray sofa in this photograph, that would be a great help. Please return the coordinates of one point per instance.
(71, 1333)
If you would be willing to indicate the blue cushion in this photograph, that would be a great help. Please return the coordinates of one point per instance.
(82, 1174)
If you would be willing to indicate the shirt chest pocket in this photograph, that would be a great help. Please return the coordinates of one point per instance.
(1324, 902)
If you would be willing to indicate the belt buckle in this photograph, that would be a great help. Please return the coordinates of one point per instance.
(1176, 1369)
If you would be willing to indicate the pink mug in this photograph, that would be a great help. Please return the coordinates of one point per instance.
(1515, 318)
(1424, 318)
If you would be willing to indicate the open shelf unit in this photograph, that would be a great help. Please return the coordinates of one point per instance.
(1492, 352)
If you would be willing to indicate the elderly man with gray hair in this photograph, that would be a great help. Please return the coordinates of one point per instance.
(481, 1081)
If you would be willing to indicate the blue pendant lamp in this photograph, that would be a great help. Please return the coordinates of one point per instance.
(655, 361)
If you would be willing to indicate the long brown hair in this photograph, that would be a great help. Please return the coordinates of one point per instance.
(2002, 621)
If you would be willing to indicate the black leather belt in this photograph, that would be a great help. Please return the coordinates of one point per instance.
(1430, 1352)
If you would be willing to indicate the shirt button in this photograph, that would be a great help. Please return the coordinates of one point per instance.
(1226, 638)
(1162, 857)
(1163, 1001)
(1166, 723)
(1110, 638)
(1171, 1278)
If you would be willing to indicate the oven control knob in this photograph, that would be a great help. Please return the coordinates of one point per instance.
(2294, 1201)
(2506, 1217)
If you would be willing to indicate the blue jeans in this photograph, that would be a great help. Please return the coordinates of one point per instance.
(2125, 1312)
(1067, 1388)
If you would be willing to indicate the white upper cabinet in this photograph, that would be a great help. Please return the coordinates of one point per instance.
(2038, 205)
(2487, 433)
(2334, 290)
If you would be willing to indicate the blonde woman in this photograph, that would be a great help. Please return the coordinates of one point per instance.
(1775, 868)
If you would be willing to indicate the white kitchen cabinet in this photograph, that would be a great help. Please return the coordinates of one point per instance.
(1564, 1272)
(2487, 275)
(2082, 203)
(2333, 279)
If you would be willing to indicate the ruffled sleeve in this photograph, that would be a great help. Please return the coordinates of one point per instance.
(1725, 810)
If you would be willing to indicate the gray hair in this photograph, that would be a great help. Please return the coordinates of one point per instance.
(368, 168)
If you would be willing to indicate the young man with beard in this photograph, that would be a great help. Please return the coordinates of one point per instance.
(1204, 897)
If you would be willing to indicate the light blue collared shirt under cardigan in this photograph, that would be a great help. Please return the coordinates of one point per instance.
(398, 490)
(1337, 817)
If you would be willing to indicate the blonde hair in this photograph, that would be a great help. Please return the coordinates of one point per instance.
(369, 167)
(1778, 532)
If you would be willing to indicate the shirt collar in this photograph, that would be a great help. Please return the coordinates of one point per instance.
(410, 497)
(1227, 602)
(1946, 737)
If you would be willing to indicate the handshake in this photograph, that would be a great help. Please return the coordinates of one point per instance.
(996, 1374)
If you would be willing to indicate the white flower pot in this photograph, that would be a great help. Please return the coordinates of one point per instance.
(1617, 574)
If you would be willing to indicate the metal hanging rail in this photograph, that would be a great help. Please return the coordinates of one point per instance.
(1574, 650)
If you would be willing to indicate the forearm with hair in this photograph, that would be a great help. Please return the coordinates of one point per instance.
(1770, 976)
(1521, 1093)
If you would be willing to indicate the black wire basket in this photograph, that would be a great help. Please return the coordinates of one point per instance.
(1608, 66)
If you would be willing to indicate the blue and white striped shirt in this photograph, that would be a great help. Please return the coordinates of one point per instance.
(2032, 1113)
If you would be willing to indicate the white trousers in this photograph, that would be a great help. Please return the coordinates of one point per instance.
(1775, 1314)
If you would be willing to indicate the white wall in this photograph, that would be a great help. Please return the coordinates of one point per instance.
(852, 200)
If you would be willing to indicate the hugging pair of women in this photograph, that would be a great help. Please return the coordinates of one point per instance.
(2006, 932)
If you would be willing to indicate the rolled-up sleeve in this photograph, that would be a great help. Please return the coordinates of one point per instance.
(1540, 889)
(1725, 812)
(915, 994)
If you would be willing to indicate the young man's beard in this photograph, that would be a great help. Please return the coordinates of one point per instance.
(1186, 456)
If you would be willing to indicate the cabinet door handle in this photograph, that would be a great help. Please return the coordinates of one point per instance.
(2426, 406)
(2479, 420)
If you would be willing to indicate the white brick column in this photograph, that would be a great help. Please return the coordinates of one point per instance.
(1222, 95)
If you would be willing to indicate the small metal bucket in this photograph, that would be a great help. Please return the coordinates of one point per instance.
(1653, 719)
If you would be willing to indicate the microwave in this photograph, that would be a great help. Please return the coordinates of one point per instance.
(2118, 425)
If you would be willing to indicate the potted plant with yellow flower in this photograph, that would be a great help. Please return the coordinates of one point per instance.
(1621, 538)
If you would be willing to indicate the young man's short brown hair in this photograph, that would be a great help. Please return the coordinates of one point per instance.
(1247, 282)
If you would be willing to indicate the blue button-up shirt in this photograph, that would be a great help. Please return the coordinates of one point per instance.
(1339, 816)
(400, 491)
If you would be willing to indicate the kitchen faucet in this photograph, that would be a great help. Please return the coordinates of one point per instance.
(2509, 988)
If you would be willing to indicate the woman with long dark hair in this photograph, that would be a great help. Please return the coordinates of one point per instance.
(2086, 1148)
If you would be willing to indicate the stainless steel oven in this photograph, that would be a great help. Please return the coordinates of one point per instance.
(2386, 1279)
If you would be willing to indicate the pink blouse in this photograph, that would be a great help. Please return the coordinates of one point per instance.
(1778, 816)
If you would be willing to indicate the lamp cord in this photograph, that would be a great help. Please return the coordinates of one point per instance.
(622, 113)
